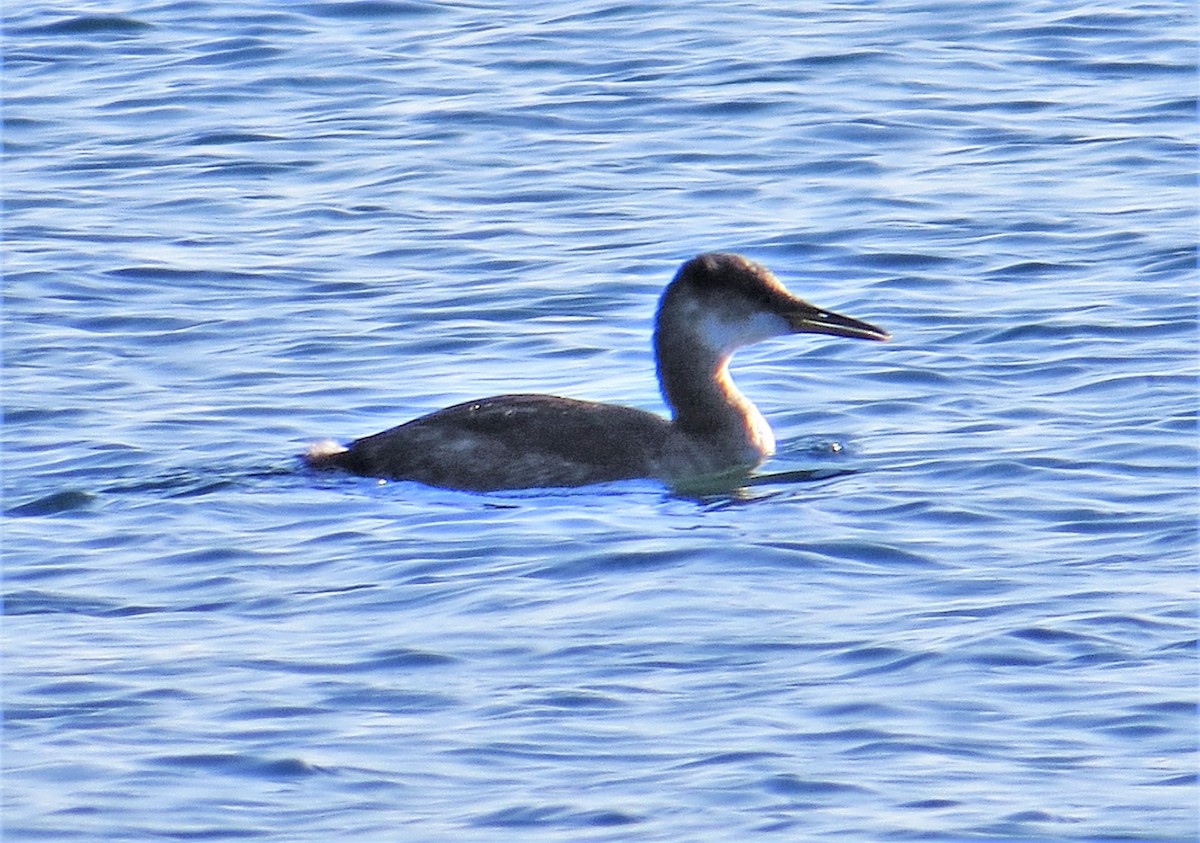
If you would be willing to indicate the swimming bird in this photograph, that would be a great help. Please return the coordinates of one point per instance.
(716, 304)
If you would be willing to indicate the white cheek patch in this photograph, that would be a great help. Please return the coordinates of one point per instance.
(727, 336)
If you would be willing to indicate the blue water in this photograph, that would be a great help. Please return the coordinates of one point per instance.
(234, 228)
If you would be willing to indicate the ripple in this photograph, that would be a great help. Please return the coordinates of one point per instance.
(235, 764)
(95, 25)
(522, 816)
(52, 504)
(370, 9)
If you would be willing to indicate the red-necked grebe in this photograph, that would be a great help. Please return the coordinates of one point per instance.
(716, 304)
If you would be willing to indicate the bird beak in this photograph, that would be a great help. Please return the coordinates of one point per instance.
(806, 319)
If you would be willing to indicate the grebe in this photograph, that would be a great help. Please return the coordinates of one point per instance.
(716, 304)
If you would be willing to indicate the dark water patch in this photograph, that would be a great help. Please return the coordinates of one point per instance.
(848, 165)
(222, 832)
(734, 109)
(97, 714)
(53, 504)
(1124, 625)
(228, 138)
(1042, 635)
(216, 557)
(1100, 523)
(1003, 658)
(724, 758)
(75, 687)
(611, 562)
(343, 589)
(933, 804)
(842, 737)
(1182, 707)
(206, 279)
(916, 376)
(401, 658)
(1033, 817)
(16, 59)
(1132, 69)
(1015, 106)
(206, 488)
(280, 712)
(793, 786)
(864, 711)
(1096, 659)
(873, 654)
(174, 484)
(1118, 331)
(1186, 645)
(577, 701)
(826, 60)
(537, 817)
(236, 51)
(1138, 730)
(369, 9)
(185, 483)
(258, 168)
(383, 661)
(138, 323)
(94, 25)
(901, 260)
(1023, 269)
(1169, 262)
(882, 660)
(871, 553)
(35, 602)
(100, 166)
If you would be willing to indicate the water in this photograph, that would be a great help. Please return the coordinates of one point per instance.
(231, 229)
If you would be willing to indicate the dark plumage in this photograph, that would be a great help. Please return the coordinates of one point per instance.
(577, 442)
(716, 304)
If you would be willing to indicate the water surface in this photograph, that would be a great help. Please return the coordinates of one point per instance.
(231, 229)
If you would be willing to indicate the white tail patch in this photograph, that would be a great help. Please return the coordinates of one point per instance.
(322, 449)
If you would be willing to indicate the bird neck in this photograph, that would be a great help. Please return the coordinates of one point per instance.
(705, 404)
